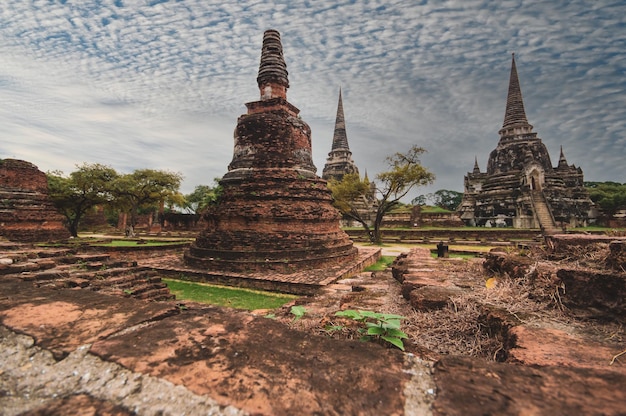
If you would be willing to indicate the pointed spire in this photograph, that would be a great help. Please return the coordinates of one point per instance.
(339, 161)
(340, 138)
(562, 160)
(515, 115)
(476, 167)
(272, 79)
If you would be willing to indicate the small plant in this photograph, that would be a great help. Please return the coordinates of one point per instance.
(333, 328)
(385, 326)
(181, 307)
(298, 312)
(128, 292)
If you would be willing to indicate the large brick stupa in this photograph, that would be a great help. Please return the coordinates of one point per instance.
(275, 213)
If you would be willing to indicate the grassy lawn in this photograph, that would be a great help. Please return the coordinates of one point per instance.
(135, 243)
(381, 264)
(227, 296)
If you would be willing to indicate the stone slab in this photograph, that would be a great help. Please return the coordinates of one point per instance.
(554, 347)
(469, 386)
(260, 366)
(62, 320)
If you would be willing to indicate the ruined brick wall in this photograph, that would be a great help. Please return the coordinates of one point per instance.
(26, 212)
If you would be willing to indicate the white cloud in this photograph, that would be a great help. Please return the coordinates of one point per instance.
(139, 84)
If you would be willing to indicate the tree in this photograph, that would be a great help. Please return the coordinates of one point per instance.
(405, 172)
(202, 197)
(442, 198)
(609, 196)
(146, 188)
(348, 197)
(82, 190)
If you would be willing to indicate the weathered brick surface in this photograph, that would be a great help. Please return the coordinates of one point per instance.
(424, 284)
(26, 213)
(275, 213)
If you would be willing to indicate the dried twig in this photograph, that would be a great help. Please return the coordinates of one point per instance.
(616, 356)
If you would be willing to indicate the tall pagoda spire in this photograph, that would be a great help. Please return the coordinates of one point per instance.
(272, 79)
(340, 138)
(339, 161)
(515, 121)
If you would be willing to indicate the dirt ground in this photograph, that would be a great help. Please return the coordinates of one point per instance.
(509, 345)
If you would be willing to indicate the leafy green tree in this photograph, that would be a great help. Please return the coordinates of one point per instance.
(609, 196)
(442, 198)
(146, 189)
(81, 191)
(349, 195)
(202, 197)
(405, 172)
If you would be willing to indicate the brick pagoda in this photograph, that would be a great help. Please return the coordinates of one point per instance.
(521, 188)
(26, 212)
(275, 213)
(339, 160)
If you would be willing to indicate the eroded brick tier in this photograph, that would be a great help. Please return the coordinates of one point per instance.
(26, 212)
(275, 213)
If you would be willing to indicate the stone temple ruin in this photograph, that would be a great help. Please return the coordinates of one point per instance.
(521, 188)
(26, 212)
(275, 213)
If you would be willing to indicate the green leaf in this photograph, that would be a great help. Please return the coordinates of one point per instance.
(369, 314)
(349, 313)
(396, 333)
(375, 330)
(298, 311)
(391, 324)
(397, 342)
(388, 316)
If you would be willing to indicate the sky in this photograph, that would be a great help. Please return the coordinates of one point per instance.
(159, 84)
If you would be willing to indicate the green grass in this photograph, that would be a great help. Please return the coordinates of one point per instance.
(135, 243)
(426, 209)
(596, 228)
(381, 264)
(227, 296)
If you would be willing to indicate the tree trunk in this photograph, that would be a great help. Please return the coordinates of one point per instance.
(73, 228)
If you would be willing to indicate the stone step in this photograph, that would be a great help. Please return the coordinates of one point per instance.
(104, 265)
(148, 287)
(155, 294)
(52, 274)
(82, 258)
(125, 281)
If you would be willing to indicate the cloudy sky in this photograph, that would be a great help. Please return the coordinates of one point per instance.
(159, 84)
